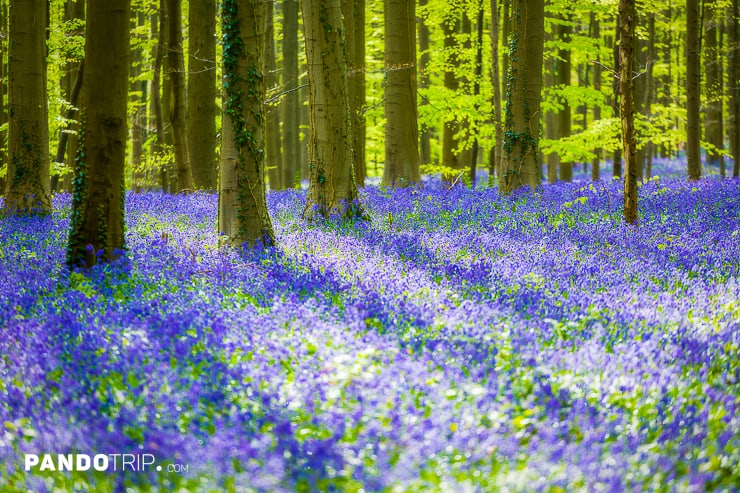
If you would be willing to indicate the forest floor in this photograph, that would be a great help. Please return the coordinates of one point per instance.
(457, 341)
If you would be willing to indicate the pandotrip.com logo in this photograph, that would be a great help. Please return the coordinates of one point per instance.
(98, 462)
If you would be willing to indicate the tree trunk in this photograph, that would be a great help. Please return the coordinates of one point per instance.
(563, 81)
(451, 25)
(96, 225)
(3, 92)
(617, 156)
(713, 82)
(693, 90)
(523, 85)
(495, 153)
(273, 151)
(332, 189)
(425, 147)
(138, 115)
(648, 95)
(242, 206)
(552, 160)
(733, 45)
(401, 128)
(291, 103)
(627, 21)
(28, 188)
(157, 110)
(74, 97)
(476, 86)
(354, 27)
(596, 161)
(177, 108)
(201, 93)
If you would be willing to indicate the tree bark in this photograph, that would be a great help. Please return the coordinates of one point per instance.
(425, 147)
(96, 225)
(693, 90)
(401, 128)
(733, 46)
(332, 189)
(596, 161)
(627, 21)
(476, 86)
(521, 165)
(713, 122)
(157, 110)
(74, 97)
(201, 93)
(563, 80)
(242, 207)
(3, 92)
(451, 25)
(354, 27)
(28, 188)
(273, 150)
(617, 155)
(292, 103)
(176, 63)
(495, 152)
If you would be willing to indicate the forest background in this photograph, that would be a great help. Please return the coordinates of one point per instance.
(461, 58)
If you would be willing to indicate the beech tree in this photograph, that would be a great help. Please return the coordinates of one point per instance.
(693, 90)
(291, 109)
(177, 100)
(28, 184)
(627, 20)
(201, 93)
(521, 165)
(242, 206)
(332, 188)
(401, 128)
(96, 224)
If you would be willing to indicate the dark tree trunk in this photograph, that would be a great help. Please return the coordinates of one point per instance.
(693, 90)
(627, 21)
(96, 225)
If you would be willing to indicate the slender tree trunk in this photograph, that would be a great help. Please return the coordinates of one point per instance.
(177, 109)
(28, 188)
(648, 94)
(552, 160)
(627, 21)
(563, 81)
(157, 110)
(639, 88)
(425, 146)
(354, 27)
(476, 86)
(332, 188)
(666, 79)
(291, 103)
(74, 97)
(401, 128)
(713, 83)
(616, 89)
(693, 90)
(733, 46)
(451, 25)
(3, 93)
(273, 151)
(138, 102)
(596, 161)
(96, 225)
(495, 153)
(523, 85)
(201, 93)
